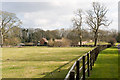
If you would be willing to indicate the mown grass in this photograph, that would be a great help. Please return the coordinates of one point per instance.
(99, 43)
(106, 65)
(116, 44)
(38, 62)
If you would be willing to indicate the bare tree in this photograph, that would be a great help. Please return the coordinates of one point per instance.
(7, 22)
(96, 18)
(77, 24)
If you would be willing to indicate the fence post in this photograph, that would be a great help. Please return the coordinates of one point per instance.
(94, 55)
(88, 65)
(90, 60)
(99, 49)
(96, 52)
(77, 70)
(72, 75)
(83, 67)
(93, 58)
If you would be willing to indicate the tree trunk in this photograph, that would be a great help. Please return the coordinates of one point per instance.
(80, 40)
(1, 44)
(2, 41)
(95, 40)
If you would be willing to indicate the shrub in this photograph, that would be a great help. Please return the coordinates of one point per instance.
(112, 41)
(63, 43)
(12, 41)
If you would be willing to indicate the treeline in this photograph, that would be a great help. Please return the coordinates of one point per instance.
(11, 32)
(21, 35)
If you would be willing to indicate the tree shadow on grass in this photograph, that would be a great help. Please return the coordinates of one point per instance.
(32, 79)
(61, 71)
(57, 75)
(60, 74)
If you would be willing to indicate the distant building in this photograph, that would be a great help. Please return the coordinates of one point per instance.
(43, 41)
(83, 42)
(91, 41)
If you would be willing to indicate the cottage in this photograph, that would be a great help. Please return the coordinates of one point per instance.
(43, 41)
(83, 42)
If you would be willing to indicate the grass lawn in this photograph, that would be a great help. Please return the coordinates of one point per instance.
(38, 62)
(99, 43)
(116, 44)
(119, 62)
(106, 65)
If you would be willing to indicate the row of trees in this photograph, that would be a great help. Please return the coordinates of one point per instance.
(19, 35)
(13, 34)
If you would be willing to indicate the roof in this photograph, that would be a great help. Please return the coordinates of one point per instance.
(45, 39)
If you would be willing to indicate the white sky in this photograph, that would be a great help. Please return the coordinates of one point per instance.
(55, 14)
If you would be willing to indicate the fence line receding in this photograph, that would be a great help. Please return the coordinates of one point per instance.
(82, 67)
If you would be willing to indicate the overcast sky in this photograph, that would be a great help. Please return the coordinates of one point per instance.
(55, 14)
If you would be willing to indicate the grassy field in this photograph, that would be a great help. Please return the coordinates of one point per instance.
(38, 62)
(99, 43)
(106, 65)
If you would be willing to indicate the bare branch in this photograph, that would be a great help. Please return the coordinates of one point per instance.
(96, 18)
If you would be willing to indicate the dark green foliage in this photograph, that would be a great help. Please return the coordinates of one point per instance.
(118, 37)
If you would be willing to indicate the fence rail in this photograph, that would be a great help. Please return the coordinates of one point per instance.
(81, 68)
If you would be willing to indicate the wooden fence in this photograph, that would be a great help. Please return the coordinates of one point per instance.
(81, 68)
